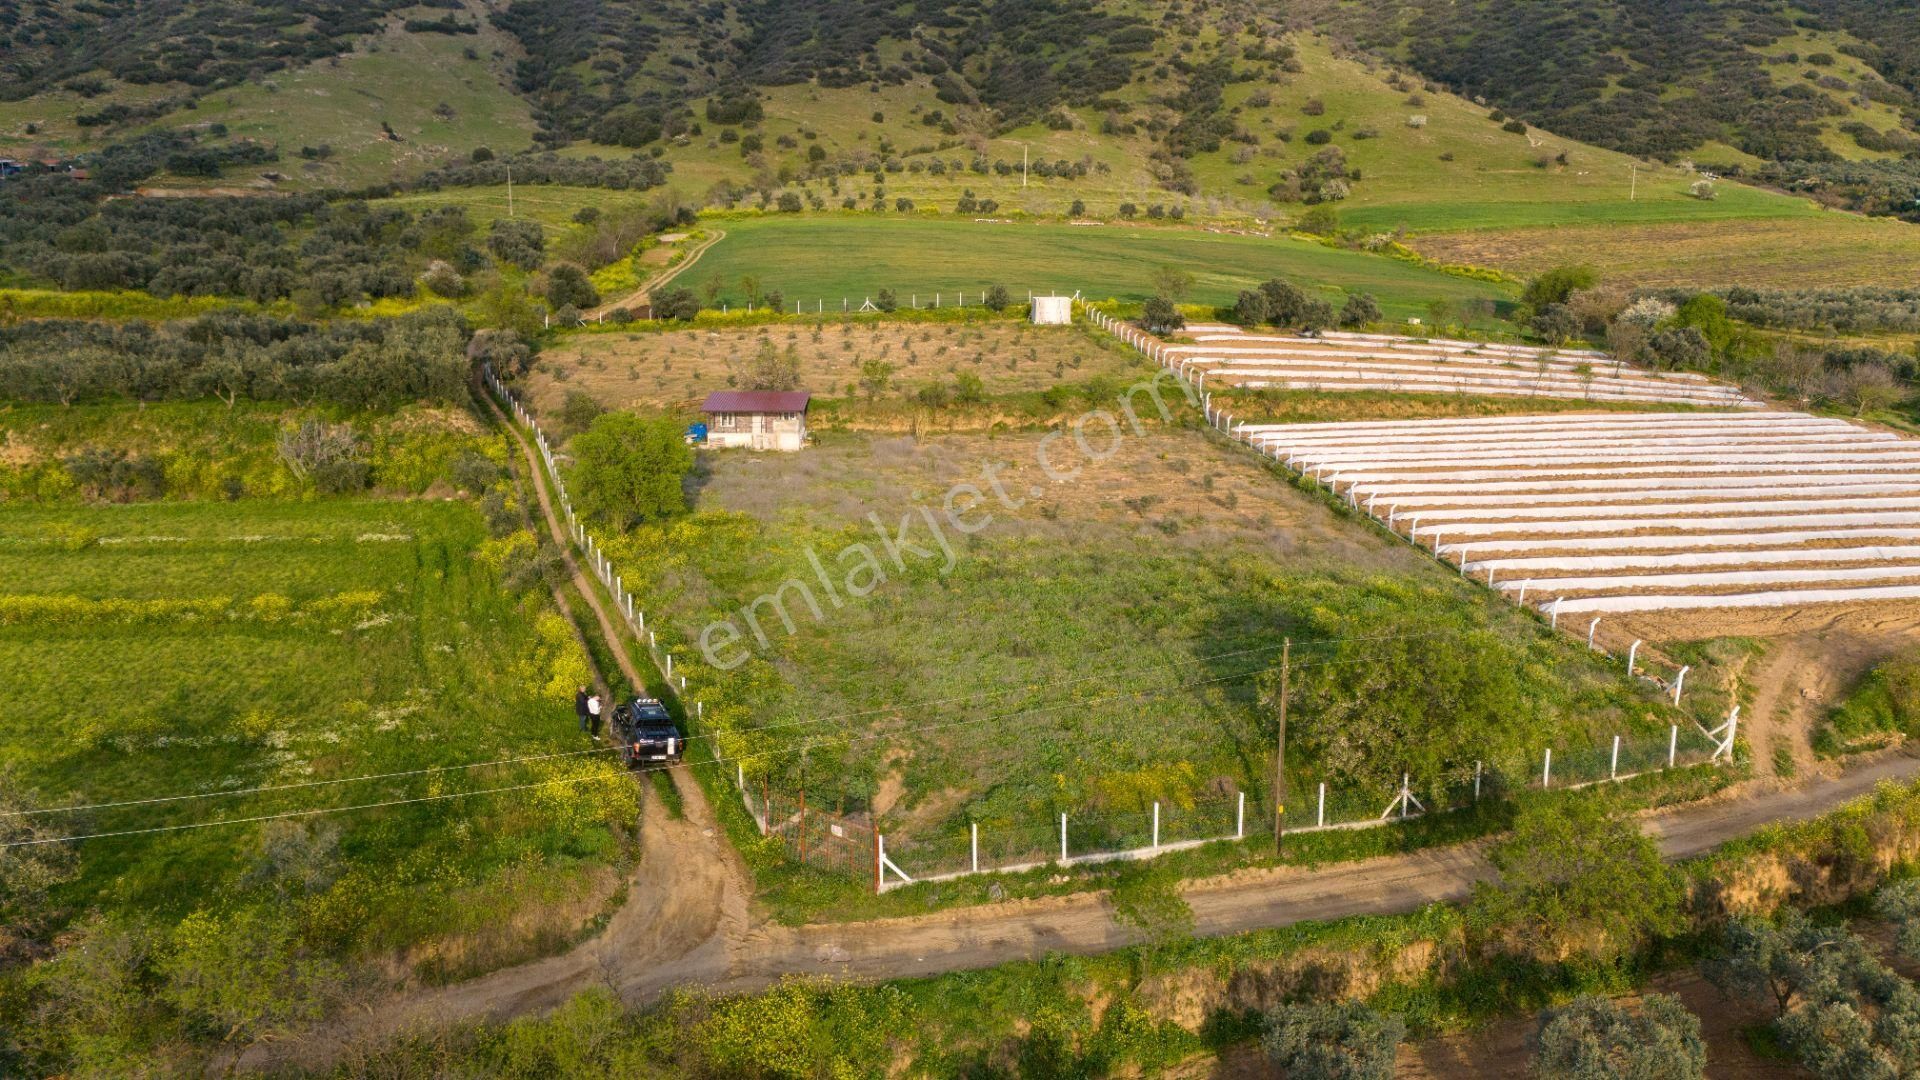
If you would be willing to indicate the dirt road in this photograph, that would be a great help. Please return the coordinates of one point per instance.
(687, 918)
(643, 293)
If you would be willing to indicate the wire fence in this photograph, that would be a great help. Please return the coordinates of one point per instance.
(818, 837)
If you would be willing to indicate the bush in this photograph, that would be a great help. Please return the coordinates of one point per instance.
(997, 298)
(568, 286)
(327, 455)
(1555, 286)
(1359, 310)
(475, 473)
(1319, 137)
(1161, 316)
(1595, 1037)
(518, 241)
(1251, 308)
(629, 470)
(1332, 1042)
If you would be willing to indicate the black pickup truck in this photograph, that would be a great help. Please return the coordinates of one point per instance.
(645, 733)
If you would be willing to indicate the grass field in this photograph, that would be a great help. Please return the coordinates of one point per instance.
(1827, 249)
(853, 257)
(1096, 647)
(324, 641)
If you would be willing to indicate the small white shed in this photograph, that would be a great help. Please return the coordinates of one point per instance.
(1052, 310)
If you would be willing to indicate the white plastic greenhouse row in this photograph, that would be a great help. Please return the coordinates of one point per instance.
(1377, 373)
(1320, 382)
(1538, 565)
(1490, 514)
(1781, 598)
(1402, 340)
(1804, 576)
(1751, 541)
(1308, 348)
(1579, 427)
(1659, 524)
(1256, 374)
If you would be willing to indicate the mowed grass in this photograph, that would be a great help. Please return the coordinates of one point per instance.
(1098, 644)
(348, 639)
(851, 257)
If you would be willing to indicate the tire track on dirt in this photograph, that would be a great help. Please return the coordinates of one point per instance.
(664, 277)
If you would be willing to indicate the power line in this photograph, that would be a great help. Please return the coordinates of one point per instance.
(812, 722)
(566, 780)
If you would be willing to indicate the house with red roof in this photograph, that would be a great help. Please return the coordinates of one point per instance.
(757, 419)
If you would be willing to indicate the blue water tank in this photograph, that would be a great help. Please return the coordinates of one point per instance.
(696, 433)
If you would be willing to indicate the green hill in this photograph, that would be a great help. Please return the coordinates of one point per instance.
(1207, 112)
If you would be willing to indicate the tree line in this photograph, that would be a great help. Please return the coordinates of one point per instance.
(233, 355)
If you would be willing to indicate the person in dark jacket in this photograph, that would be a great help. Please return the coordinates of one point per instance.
(580, 709)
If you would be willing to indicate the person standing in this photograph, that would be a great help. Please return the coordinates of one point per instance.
(593, 714)
(580, 710)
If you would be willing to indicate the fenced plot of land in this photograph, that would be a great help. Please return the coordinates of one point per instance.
(1097, 648)
(1592, 515)
(1334, 361)
(679, 368)
(209, 650)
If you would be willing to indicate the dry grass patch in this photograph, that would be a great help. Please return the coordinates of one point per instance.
(679, 368)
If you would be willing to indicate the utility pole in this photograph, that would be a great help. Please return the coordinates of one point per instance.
(1023, 165)
(509, 191)
(1633, 180)
(1280, 749)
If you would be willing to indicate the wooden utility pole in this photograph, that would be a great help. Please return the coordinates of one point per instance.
(509, 191)
(1280, 749)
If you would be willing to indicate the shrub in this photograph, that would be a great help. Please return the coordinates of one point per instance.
(1251, 308)
(1161, 316)
(1332, 1042)
(629, 470)
(997, 298)
(1359, 310)
(518, 241)
(327, 455)
(1595, 1037)
(1319, 137)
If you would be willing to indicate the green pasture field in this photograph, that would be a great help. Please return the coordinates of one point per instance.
(156, 650)
(848, 256)
(1097, 647)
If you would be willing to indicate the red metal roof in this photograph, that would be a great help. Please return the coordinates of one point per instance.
(756, 401)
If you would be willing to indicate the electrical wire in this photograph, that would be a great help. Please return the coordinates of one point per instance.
(566, 780)
(811, 722)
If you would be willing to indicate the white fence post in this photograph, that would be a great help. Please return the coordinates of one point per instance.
(1320, 819)
(1591, 627)
(1476, 781)
(975, 828)
(1240, 819)
(1632, 652)
(1613, 770)
(1673, 744)
(1679, 681)
(1546, 770)
(1063, 839)
(1156, 825)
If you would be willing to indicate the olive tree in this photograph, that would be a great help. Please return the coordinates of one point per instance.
(1161, 316)
(1594, 1038)
(1332, 1041)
